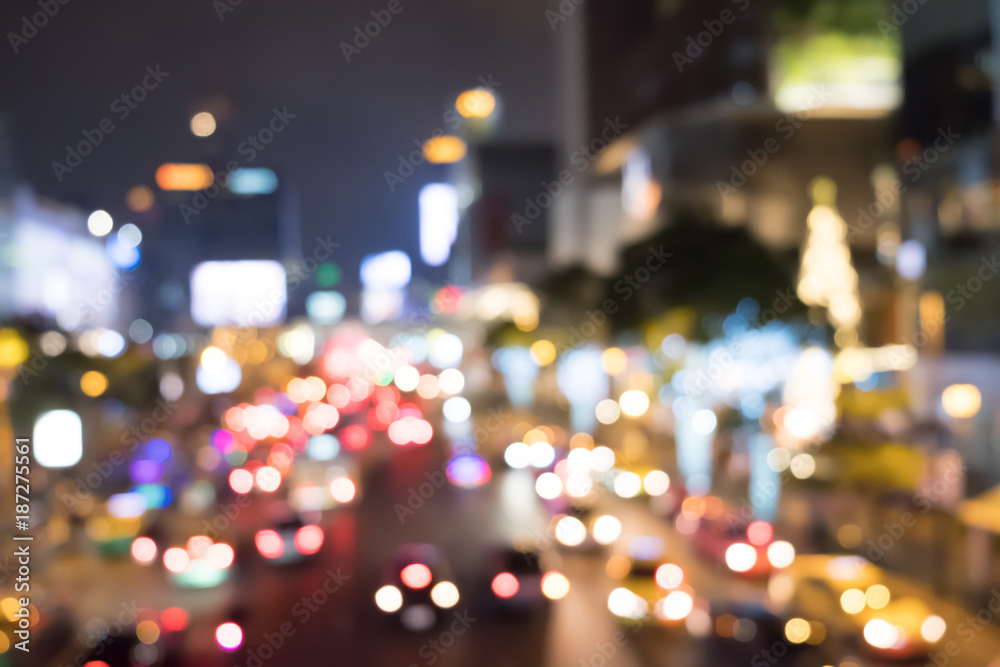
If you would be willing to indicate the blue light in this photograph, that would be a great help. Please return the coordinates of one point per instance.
(734, 325)
(123, 256)
(158, 450)
(519, 373)
(253, 182)
(868, 383)
(748, 309)
(764, 490)
(323, 447)
(157, 496)
(326, 307)
(752, 406)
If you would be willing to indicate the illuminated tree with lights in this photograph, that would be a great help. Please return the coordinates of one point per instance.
(827, 277)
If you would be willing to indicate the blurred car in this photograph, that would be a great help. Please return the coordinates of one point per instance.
(746, 548)
(748, 632)
(515, 579)
(650, 589)
(289, 539)
(417, 587)
(888, 616)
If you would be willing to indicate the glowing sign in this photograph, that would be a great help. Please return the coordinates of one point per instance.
(326, 307)
(244, 293)
(386, 271)
(58, 439)
(444, 150)
(172, 176)
(253, 182)
(438, 204)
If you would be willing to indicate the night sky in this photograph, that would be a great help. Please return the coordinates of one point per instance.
(352, 119)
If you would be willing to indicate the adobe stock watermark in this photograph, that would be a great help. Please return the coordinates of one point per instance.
(967, 629)
(303, 611)
(914, 168)
(249, 149)
(432, 650)
(604, 652)
(627, 286)
(407, 164)
(89, 310)
(770, 655)
(416, 325)
(98, 640)
(381, 18)
(581, 159)
(98, 303)
(923, 501)
(900, 14)
(223, 7)
(132, 438)
(697, 44)
(122, 106)
(296, 272)
(786, 127)
(958, 296)
(417, 496)
(225, 515)
(562, 13)
(698, 382)
(765, 493)
(30, 25)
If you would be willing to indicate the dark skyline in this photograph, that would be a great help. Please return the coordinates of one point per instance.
(351, 120)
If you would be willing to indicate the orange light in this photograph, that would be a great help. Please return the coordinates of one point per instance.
(477, 103)
(444, 150)
(693, 507)
(416, 575)
(555, 585)
(139, 198)
(281, 456)
(174, 176)
(94, 383)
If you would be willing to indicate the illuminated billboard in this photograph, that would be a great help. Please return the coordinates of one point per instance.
(242, 293)
(839, 52)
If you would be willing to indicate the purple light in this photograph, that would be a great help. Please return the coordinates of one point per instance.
(285, 405)
(223, 440)
(145, 471)
(468, 471)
